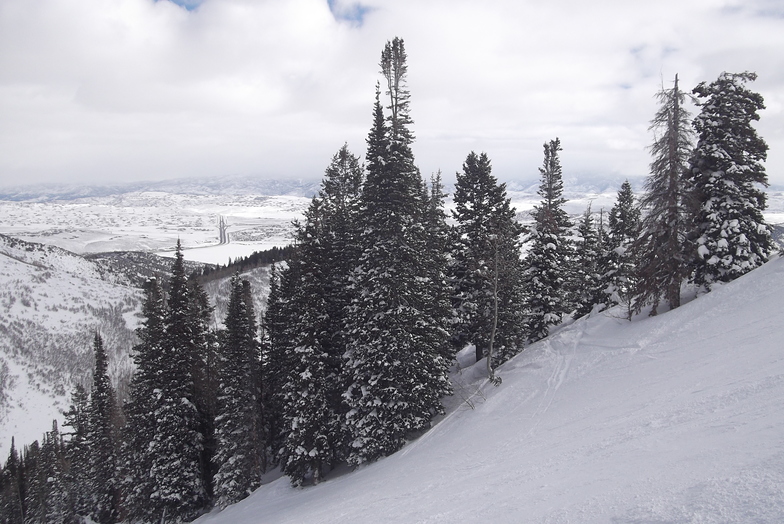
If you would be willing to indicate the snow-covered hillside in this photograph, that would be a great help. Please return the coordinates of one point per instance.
(673, 418)
(51, 303)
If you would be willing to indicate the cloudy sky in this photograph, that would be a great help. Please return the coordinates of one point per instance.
(112, 91)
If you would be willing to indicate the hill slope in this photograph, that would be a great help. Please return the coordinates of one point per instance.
(51, 303)
(675, 418)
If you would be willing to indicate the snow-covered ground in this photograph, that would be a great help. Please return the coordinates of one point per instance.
(153, 220)
(673, 418)
(51, 304)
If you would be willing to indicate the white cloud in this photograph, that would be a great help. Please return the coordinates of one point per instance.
(137, 89)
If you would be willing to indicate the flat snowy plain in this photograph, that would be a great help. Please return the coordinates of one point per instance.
(677, 418)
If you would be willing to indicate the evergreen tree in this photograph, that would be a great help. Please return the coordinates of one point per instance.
(726, 171)
(395, 370)
(57, 508)
(487, 246)
(176, 448)
(34, 488)
(550, 251)
(337, 235)
(11, 508)
(102, 413)
(238, 424)
(589, 290)
(76, 451)
(204, 361)
(275, 360)
(440, 239)
(662, 246)
(621, 263)
(311, 421)
(141, 422)
(325, 252)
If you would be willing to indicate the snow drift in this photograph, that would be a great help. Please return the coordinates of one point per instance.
(673, 418)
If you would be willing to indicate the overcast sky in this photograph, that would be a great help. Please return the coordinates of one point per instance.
(113, 91)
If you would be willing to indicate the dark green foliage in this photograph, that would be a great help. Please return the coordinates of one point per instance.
(589, 288)
(726, 171)
(176, 448)
(621, 262)
(204, 370)
(238, 425)
(487, 244)
(76, 451)
(33, 485)
(102, 481)
(141, 424)
(394, 364)
(310, 415)
(11, 494)
(57, 499)
(275, 358)
(317, 298)
(242, 264)
(550, 252)
(663, 247)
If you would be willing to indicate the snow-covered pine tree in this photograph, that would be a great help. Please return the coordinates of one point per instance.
(550, 252)
(395, 370)
(438, 285)
(179, 492)
(313, 427)
(621, 262)
(325, 251)
(275, 360)
(76, 452)
(726, 171)
(11, 507)
(204, 353)
(589, 288)
(238, 425)
(662, 252)
(486, 227)
(58, 509)
(139, 431)
(34, 485)
(338, 232)
(102, 484)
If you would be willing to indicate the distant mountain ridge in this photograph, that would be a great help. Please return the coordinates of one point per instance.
(229, 185)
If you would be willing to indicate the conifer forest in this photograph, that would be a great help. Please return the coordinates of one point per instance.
(381, 288)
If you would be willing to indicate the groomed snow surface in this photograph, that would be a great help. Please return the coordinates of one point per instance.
(677, 418)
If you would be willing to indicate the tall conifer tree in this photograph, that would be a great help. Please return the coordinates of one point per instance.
(101, 442)
(275, 360)
(550, 251)
(395, 370)
(141, 423)
(662, 247)
(726, 171)
(589, 290)
(176, 448)
(325, 251)
(11, 506)
(487, 246)
(76, 452)
(621, 263)
(239, 431)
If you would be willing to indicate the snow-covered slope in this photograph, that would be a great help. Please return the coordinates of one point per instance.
(51, 303)
(674, 418)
